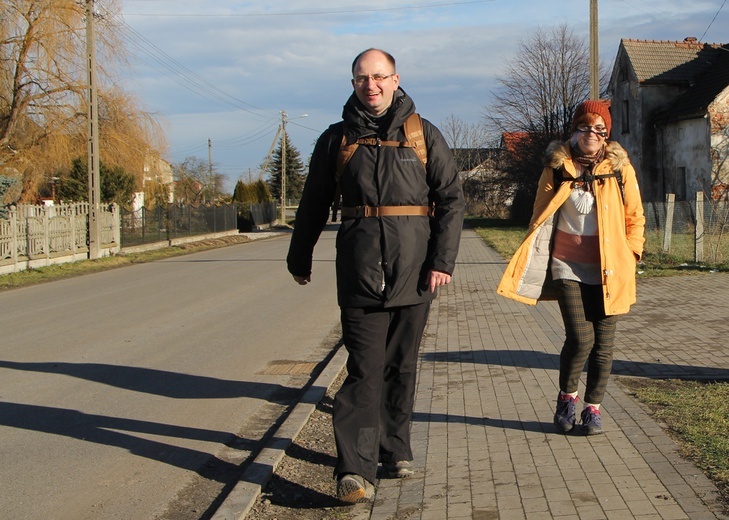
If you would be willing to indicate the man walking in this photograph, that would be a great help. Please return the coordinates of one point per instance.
(402, 213)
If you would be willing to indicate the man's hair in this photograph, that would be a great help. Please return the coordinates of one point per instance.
(387, 55)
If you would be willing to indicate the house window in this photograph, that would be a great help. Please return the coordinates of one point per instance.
(625, 117)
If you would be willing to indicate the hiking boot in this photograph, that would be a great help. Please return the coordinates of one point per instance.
(591, 421)
(565, 415)
(399, 469)
(352, 489)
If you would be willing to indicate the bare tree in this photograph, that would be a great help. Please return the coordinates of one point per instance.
(485, 185)
(197, 182)
(543, 85)
(534, 104)
(43, 93)
(465, 139)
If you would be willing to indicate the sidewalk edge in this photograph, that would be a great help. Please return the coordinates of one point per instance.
(242, 497)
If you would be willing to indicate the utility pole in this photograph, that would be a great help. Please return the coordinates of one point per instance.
(210, 166)
(283, 168)
(282, 129)
(93, 138)
(594, 54)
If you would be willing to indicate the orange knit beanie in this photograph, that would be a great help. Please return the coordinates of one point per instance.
(601, 108)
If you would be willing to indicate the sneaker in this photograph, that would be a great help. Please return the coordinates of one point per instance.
(399, 469)
(565, 415)
(591, 421)
(352, 489)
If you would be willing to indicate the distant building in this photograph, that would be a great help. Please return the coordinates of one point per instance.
(670, 111)
(159, 171)
(487, 190)
(157, 176)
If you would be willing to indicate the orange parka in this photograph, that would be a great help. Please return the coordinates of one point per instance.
(621, 226)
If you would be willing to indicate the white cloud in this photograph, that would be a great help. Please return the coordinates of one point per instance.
(232, 75)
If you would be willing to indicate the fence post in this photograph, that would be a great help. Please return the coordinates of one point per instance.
(46, 233)
(116, 219)
(699, 239)
(14, 224)
(668, 230)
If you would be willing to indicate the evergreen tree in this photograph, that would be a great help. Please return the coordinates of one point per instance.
(117, 185)
(295, 176)
(242, 193)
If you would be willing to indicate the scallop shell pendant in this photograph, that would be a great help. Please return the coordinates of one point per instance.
(584, 201)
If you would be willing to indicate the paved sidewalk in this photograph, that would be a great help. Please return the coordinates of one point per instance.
(484, 443)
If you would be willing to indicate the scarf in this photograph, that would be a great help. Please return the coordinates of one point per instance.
(588, 162)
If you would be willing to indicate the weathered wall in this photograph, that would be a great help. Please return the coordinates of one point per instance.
(685, 160)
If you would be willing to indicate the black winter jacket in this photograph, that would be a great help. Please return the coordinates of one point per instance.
(381, 262)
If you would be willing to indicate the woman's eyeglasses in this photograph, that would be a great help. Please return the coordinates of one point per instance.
(597, 130)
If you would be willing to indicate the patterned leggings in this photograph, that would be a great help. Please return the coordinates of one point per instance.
(589, 337)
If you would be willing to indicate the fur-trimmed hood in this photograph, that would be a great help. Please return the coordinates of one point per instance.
(558, 152)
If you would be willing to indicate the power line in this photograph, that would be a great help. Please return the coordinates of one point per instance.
(183, 75)
(318, 13)
(713, 20)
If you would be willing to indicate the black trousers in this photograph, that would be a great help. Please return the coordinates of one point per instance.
(589, 337)
(374, 406)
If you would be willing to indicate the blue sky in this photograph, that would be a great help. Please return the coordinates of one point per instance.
(224, 70)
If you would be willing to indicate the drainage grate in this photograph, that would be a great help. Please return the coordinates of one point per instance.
(284, 367)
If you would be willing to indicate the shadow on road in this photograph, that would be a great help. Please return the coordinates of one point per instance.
(161, 382)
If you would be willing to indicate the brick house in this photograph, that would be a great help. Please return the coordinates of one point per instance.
(670, 111)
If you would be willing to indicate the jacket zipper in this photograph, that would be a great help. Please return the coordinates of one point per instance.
(383, 264)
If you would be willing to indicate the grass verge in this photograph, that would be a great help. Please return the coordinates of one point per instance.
(696, 415)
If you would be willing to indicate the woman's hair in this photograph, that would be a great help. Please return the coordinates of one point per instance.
(589, 119)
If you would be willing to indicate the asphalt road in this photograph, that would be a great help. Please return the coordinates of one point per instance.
(135, 393)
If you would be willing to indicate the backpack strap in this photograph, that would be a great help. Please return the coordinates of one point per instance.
(414, 138)
(559, 177)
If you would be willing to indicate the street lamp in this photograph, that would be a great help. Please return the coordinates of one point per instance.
(283, 164)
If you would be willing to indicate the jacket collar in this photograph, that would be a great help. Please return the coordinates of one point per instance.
(558, 156)
(360, 123)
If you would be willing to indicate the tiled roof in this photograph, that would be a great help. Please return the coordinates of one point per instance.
(513, 142)
(670, 62)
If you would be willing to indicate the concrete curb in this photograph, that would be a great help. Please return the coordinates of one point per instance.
(241, 499)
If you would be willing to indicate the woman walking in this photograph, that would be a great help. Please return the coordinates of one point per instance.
(584, 240)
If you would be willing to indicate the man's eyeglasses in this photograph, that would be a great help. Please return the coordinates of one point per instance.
(377, 78)
(597, 130)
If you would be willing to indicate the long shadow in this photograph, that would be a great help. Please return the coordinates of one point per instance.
(536, 359)
(119, 432)
(285, 493)
(529, 426)
(161, 382)
(182, 259)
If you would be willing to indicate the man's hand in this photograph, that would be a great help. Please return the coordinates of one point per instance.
(438, 278)
(302, 280)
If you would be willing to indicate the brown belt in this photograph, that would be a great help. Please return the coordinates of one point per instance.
(386, 211)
